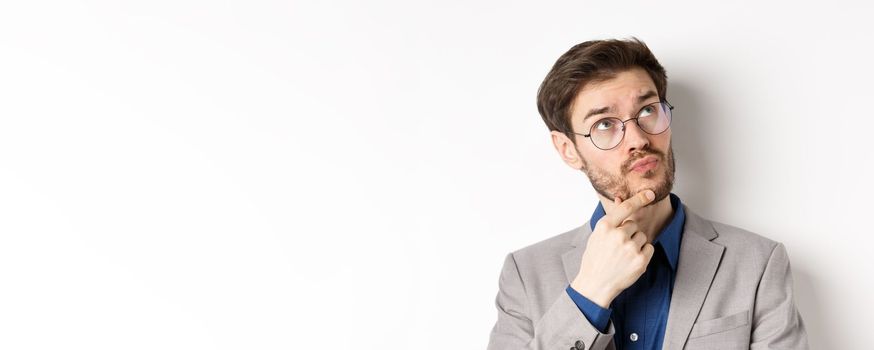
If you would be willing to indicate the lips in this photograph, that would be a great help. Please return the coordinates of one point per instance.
(645, 163)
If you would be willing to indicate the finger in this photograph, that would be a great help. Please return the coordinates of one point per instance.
(606, 221)
(639, 238)
(647, 250)
(629, 227)
(629, 206)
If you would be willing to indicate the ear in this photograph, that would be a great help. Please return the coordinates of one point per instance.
(567, 150)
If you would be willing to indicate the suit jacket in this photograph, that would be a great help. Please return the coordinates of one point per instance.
(732, 290)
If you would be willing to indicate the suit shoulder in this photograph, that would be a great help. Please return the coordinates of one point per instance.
(742, 239)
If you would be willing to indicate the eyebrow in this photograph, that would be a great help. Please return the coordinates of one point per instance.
(640, 99)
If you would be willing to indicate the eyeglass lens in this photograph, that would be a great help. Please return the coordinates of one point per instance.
(652, 119)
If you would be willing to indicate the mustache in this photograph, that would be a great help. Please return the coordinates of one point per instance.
(637, 155)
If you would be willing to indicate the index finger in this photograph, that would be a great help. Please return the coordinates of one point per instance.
(629, 206)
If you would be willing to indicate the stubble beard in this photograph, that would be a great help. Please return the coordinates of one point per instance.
(610, 185)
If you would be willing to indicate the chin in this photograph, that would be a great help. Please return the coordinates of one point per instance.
(647, 180)
(657, 185)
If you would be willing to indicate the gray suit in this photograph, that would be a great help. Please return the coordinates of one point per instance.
(733, 290)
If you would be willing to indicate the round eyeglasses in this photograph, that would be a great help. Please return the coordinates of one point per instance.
(653, 119)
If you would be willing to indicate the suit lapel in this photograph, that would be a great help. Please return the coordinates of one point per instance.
(571, 259)
(699, 260)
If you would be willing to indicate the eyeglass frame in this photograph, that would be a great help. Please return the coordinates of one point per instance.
(635, 119)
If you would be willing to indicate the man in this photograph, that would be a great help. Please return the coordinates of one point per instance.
(645, 272)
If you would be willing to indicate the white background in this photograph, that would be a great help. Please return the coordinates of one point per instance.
(314, 175)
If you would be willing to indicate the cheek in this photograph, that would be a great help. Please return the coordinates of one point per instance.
(663, 141)
(604, 160)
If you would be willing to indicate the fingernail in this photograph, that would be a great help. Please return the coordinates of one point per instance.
(650, 195)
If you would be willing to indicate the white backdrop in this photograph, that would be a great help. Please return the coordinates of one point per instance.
(313, 175)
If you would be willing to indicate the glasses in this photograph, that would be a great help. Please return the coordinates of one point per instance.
(653, 119)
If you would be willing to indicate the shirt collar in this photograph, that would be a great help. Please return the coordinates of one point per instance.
(669, 238)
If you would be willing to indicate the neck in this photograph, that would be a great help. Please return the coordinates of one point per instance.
(650, 219)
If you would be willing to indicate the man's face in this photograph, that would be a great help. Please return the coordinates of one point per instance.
(615, 172)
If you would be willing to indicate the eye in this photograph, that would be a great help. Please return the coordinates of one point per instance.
(646, 111)
(604, 124)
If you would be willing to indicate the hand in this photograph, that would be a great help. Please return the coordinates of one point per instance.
(616, 253)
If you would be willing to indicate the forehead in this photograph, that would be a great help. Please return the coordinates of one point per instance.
(620, 91)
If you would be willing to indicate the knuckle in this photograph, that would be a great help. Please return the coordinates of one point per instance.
(648, 249)
(641, 259)
(625, 231)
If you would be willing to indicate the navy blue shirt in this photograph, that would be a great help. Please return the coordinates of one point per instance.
(640, 312)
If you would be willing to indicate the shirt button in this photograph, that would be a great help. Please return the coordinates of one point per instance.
(579, 345)
(633, 337)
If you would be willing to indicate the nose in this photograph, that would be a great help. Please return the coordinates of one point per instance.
(635, 139)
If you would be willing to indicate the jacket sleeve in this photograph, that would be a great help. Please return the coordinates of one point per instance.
(563, 326)
(776, 322)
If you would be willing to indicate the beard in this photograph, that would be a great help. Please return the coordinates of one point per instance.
(611, 185)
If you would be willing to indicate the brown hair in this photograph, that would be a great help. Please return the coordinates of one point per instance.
(588, 62)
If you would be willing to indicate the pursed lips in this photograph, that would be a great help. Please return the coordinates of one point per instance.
(644, 162)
